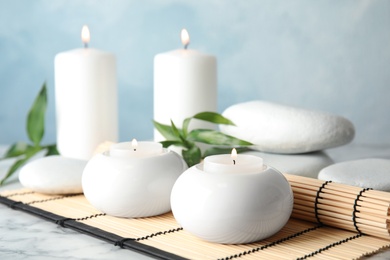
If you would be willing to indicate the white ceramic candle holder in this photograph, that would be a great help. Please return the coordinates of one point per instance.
(232, 208)
(132, 187)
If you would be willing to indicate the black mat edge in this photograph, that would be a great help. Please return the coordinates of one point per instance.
(91, 231)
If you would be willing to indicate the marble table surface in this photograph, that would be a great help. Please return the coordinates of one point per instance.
(24, 236)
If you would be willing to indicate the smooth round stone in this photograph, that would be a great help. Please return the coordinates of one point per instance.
(53, 175)
(283, 129)
(308, 164)
(366, 173)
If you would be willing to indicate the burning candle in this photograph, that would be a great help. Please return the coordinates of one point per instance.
(85, 36)
(233, 163)
(185, 83)
(132, 179)
(86, 99)
(135, 149)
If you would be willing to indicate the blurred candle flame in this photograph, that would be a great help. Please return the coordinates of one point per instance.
(185, 38)
(85, 35)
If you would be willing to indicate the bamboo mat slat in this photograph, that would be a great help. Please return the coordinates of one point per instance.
(342, 206)
(135, 228)
(338, 208)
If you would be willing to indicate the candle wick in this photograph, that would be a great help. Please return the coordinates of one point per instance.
(135, 149)
(186, 46)
(234, 162)
(86, 45)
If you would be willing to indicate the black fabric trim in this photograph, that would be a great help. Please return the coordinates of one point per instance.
(61, 222)
(121, 242)
(257, 249)
(159, 234)
(19, 193)
(89, 230)
(355, 210)
(330, 246)
(316, 201)
(51, 199)
(15, 204)
(91, 216)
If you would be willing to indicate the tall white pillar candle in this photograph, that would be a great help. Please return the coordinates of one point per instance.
(86, 100)
(185, 83)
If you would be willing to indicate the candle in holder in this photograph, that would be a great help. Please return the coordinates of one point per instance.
(135, 149)
(185, 83)
(86, 100)
(232, 199)
(132, 179)
(233, 163)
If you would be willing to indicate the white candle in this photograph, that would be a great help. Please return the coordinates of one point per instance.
(234, 163)
(135, 149)
(185, 83)
(86, 100)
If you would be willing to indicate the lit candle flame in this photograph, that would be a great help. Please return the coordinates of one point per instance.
(234, 155)
(134, 144)
(85, 35)
(185, 38)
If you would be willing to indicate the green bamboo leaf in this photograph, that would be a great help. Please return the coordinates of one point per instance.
(16, 150)
(178, 133)
(166, 131)
(36, 117)
(51, 150)
(186, 122)
(13, 169)
(168, 143)
(19, 163)
(214, 137)
(213, 118)
(224, 150)
(192, 156)
(174, 129)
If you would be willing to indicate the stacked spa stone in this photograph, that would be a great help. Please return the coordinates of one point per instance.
(288, 138)
(292, 139)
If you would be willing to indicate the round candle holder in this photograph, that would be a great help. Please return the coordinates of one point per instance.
(132, 187)
(232, 208)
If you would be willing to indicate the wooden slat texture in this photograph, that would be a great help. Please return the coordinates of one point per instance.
(301, 237)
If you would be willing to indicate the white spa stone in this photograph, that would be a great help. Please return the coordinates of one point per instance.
(53, 175)
(366, 173)
(308, 164)
(278, 128)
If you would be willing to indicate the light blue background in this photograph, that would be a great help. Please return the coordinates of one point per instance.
(329, 55)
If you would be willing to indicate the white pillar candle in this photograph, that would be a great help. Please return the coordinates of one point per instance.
(185, 83)
(135, 149)
(234, 163)
(86, 100)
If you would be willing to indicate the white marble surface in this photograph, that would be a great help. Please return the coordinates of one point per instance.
(23, 236)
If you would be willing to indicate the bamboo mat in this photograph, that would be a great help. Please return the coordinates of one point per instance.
(329, 221)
